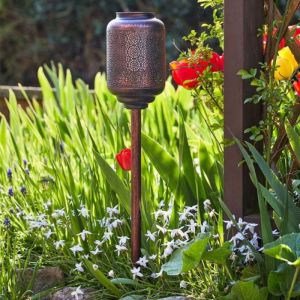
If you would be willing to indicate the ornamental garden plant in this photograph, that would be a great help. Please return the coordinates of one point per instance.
(65, 183)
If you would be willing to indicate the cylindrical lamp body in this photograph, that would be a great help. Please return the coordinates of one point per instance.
(136, 58)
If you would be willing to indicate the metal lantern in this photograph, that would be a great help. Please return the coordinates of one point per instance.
(136, 60)
(136, 72)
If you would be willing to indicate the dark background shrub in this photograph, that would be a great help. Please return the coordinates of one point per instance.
(34, 32)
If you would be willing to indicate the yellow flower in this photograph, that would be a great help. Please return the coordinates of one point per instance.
(286, 64)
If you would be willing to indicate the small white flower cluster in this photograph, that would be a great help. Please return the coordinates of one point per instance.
(36, 222)
(168, 239)
(246, 231)
(112, 235)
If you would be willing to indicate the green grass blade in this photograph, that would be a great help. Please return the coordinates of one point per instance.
(103, 279)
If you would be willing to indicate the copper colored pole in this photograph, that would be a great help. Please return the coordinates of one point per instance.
(135, 184)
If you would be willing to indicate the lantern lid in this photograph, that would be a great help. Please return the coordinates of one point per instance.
(135, 15)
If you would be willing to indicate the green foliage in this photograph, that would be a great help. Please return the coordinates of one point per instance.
(293, 137)
(70, 147)
(246, 291)
(285, 280)
(279, 198)
(187, 257)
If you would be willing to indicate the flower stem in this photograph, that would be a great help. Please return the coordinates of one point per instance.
(289, 295)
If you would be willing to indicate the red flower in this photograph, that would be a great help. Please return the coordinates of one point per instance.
(124, 159)
(217, 62)
(296, 85)
(187, 73)
(282, 43)
(297, 36)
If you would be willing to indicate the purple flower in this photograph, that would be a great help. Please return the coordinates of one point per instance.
(27, 171)
(23, 190)
(25, 162)
(10, 191)
(6, 222)
(9, 173)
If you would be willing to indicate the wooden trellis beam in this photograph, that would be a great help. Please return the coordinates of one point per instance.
(243, 50)
(31, 92)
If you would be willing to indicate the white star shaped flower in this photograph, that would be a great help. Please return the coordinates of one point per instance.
(107, 236)
(79, 267)
(111, 274)
(59, 244)
(163, 230)
(83, 234)
(76, 248)
(83, 211)
(142, 261)
(150, 235)
(156, 275)
(123, 240)
(112, 211)
(48, 234)
(183, 284)
(136, 272)
(120, 248)
(77, 292)
(96, 251)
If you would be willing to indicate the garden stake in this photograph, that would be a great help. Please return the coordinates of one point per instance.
(135, 184)
(136, 72)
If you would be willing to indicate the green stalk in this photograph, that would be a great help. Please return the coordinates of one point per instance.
(271, 82)
(289, 295)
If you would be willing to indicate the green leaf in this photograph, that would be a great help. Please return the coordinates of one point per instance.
(115, 182)
(218, 255)
(285, 248)
(281, 252)
(289, 211)
(244, 74)
(279, 281)
(246, 291)
(125, 281)
(187, 163)
(187, 257)
(266, 227)
(102, 279)
(294, 139)
(168, 168)
(250, 272)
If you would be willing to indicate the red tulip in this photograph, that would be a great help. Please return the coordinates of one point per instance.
(296, 85)
(124, 159)
(217, 62)
(297, 36)
(282, 42)
(187, 73)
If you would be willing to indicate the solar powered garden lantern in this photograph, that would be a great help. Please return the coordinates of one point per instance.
(136, 72)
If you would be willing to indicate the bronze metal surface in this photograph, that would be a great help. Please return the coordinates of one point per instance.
(136, 58)
(135, 184)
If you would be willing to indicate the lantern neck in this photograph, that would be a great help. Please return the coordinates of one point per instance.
(135, 15)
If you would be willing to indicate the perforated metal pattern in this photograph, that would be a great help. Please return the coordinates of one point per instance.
(135, 59)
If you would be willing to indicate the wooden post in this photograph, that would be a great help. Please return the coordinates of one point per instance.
(243, 50)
